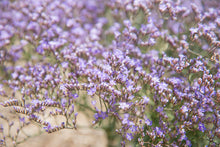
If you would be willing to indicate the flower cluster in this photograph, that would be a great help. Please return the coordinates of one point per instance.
(150, 66)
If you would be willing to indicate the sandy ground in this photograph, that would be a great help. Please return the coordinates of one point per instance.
(69, 138)
(85, 136)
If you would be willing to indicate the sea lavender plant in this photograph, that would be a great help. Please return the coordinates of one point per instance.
(146, 71)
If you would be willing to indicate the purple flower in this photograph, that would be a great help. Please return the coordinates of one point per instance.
(159, 109)
(22, 119)
(148, 122)
(126, 120)
(65, 65)
(100, 115)
(155, 80)
(133, 128)
(63, 102)
(48, 127)
(131, 97)
(93, 102)
(201, 127)
(129, 136)
(184, 109)
(14, 75)
(92, 91)
(136, 60)
(201, 112)
(129, 85)
(123, 78)
(188, 143)
(145, 99)
(159, 132)
(48, 78)
(75, 96)
(162, 86)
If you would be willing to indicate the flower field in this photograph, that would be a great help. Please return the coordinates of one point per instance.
(146, 72)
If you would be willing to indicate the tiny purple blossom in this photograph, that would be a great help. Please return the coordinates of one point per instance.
(75, 95)
(184, 109)
(159, 109)
(133, 128)
(159, 131)
(129, 136)
(93, 102)
(63, 102)
(155, 80)
(48, 127)
(163, 86)
(201, 127)
(14, 75)
(148, 122)
(64, 64)
(145, 99)
(91, 91)
(131, 97)
(22, 119)
(126, 120)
